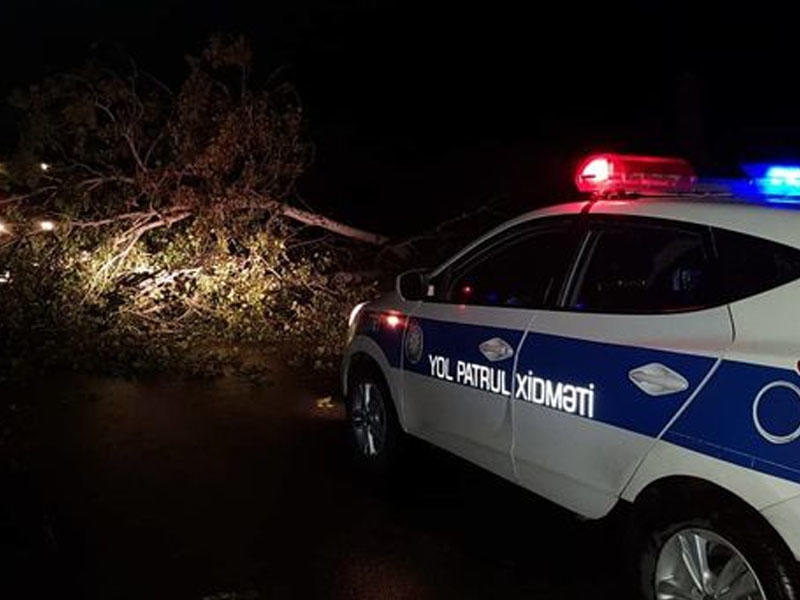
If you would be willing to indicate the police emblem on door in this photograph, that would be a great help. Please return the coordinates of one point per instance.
(414, 342)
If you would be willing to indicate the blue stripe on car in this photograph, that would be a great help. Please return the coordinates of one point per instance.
(460, 342)
(617, 401)
(717, 423)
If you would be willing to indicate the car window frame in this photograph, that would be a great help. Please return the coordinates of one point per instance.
(594, 222)
(732, 294)
(576, 224)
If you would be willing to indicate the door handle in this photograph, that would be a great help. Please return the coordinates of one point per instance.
(656, 379)
(496, 349)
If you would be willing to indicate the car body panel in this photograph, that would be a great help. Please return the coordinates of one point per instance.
(442, 402)
(666, 460)
(603, 452)
(727, 354)
(784, 517)
(381, 344)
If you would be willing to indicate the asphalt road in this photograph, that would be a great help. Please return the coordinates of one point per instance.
(226, 491)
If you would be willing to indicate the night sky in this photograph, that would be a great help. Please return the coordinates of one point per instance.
(420, 111)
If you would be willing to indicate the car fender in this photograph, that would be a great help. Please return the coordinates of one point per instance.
(759, 490)
(364, 345)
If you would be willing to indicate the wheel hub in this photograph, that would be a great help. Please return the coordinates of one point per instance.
(698, 564)
(368, 419)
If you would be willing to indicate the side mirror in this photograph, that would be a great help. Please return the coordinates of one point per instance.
(411, 285)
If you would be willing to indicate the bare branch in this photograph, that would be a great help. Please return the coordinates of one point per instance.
(174, 214)
(318, 220)
(22, 197)
(134, 151)
(95, 182)
(106, 110)
(152, 147)
(158, 82)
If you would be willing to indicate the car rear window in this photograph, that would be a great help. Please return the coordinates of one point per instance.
(751, 265)
(641, 268)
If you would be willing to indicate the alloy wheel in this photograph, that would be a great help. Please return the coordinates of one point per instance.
(368, 418)
(697, 564)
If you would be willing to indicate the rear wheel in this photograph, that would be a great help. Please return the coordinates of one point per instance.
(721, 555)
(374, 427)
(698, 563)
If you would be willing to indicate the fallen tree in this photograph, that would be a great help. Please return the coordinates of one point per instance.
(149, 227)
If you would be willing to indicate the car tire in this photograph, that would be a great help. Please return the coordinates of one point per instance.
(374, 428)
(672, 544)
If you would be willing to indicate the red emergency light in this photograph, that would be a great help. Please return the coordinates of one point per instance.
(607, 174)
(392, 320)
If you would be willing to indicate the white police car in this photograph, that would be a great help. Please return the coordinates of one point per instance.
(640, 347)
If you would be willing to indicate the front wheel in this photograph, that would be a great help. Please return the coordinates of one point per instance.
(719, 556)
(374, 426)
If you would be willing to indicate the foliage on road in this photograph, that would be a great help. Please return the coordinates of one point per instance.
(151, 228)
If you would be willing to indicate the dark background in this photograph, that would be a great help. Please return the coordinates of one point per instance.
(420, 111)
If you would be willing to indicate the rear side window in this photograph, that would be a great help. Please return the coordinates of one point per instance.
(641, 268)
(523, 269)
(751, 265)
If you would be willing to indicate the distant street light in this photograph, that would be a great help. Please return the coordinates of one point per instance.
(47, 225)
(3, 227)
(44, 166)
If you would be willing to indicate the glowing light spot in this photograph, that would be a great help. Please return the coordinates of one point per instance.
(325, 403)
(392, 321)
(781, 181)
(598, 169)
(47, 225)
(632, 174)
(44, 166)
(779, 184)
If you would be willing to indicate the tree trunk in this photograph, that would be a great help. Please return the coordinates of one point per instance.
(317, 220)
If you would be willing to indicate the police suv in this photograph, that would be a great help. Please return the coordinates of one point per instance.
(640, 347)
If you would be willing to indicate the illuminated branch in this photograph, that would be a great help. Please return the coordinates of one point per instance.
(317, 220)
(162, 219)
(182, 211)
(127, 241)
(296, 214)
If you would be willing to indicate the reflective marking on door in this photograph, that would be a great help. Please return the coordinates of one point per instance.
(656, 379)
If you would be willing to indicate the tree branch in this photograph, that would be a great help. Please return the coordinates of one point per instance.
(134, 151)
(317, 220)
(170, 217)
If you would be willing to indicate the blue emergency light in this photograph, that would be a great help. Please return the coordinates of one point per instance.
(774, 181)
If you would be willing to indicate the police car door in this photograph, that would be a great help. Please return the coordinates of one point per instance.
(638, 333)
(461, 343)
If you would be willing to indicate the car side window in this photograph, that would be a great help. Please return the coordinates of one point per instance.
(751, 265)
(524, 268)
(634, 267)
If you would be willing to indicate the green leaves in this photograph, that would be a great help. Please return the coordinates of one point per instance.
(169, 251)
(180, 299)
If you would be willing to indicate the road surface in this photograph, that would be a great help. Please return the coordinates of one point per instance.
(222, 490)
